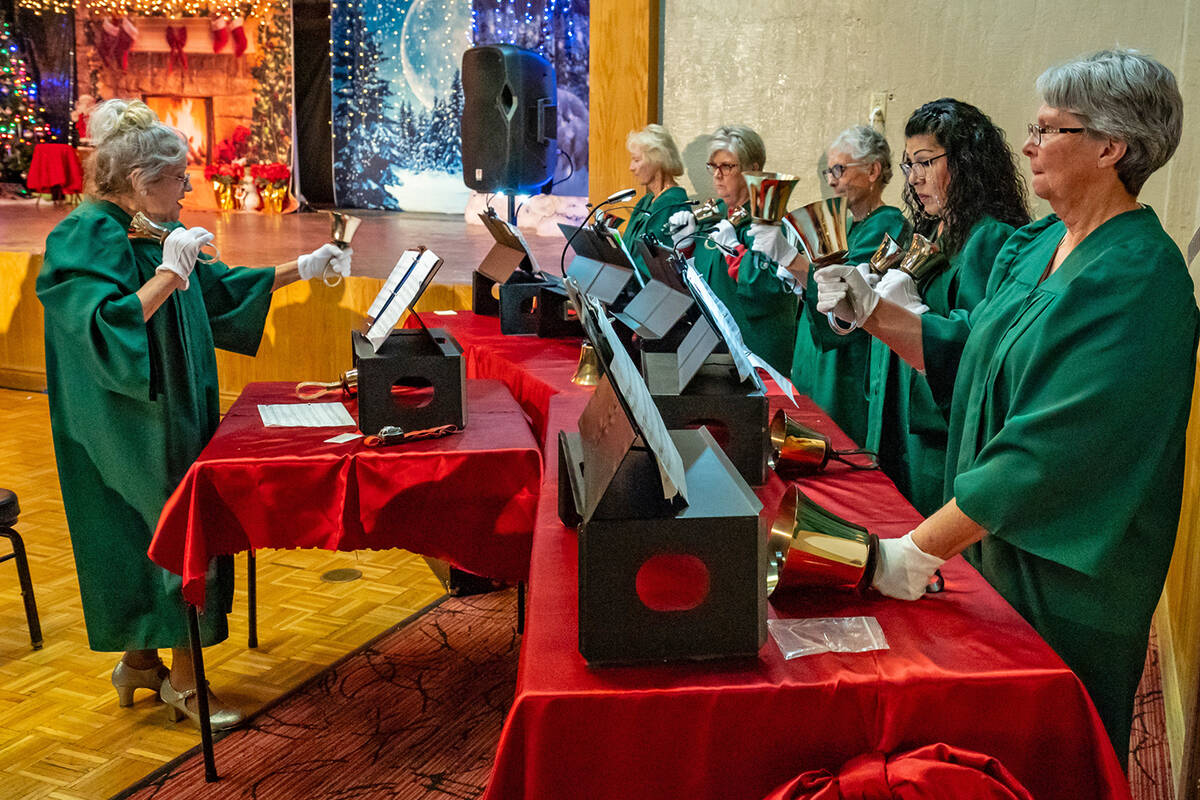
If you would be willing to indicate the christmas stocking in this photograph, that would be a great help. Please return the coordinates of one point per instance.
(220, 33)
(125, 40)
(238, 33)
(106, 41)
(177, 40)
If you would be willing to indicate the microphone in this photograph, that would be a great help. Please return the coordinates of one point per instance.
(618, 197)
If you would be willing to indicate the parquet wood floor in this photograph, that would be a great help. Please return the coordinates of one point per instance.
(62, 734)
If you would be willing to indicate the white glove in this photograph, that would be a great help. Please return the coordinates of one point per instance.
(842, 290)
(181, 248)
(770, 241)
(871, 276)
(682, 225)
(313, 264)
(904, 569)
(725, 235)
(898, 287)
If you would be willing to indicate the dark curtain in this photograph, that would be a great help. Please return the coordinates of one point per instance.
(314, 136)
(48, 43)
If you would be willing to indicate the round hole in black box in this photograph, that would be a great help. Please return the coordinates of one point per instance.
(412, 392)
(672, 582)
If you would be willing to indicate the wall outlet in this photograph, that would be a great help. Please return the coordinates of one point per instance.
(877, 108)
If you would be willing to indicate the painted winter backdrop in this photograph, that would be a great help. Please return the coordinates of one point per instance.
(397, 93)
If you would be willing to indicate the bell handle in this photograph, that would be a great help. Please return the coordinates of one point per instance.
(208, 257)
(872, 458)
(311, 390)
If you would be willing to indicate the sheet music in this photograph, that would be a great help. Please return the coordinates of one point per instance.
(724, 322)
(403, 265)
(782, 382)
(647, 420)
(404, 295)
(305, 415)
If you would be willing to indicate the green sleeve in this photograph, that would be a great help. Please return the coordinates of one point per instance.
(237, 300)
(87, 287)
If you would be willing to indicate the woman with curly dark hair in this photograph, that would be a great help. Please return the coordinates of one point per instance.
(963, 191)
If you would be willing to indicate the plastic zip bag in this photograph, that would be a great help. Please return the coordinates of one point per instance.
(806, 637)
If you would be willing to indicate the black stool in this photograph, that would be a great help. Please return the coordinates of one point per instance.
(9, 511)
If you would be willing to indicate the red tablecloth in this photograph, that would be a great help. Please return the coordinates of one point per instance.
(468, 499)
(55, 165)
(963, 668)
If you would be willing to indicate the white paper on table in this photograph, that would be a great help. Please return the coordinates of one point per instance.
(305, 415)
(342, 438)
(647, 419)
(403, 265)
(403, 297)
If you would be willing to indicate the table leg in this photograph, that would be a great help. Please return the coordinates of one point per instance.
(252, 598)
(520, 607)
(206, 737)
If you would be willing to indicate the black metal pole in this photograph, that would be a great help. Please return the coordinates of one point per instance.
(206, 737)
(252, 598)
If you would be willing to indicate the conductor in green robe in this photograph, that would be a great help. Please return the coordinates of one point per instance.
(830, 367)
(655, 163)
(131, 324)
(1072, 381)
(963, 191)
(744, 278)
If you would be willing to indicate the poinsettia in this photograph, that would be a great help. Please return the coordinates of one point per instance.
(225, 173)
(273, 174)
(236, 146)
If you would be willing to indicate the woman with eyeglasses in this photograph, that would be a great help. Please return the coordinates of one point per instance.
(963, 191)
(731, 259)
(1071, 385)
(655, 163)
(132, 380)
(829, 368)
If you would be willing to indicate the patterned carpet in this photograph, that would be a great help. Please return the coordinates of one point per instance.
(416, 715)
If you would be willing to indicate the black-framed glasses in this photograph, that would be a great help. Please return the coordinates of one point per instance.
(1036, 132)
(919, 168)
(837, 170)
(721, 169)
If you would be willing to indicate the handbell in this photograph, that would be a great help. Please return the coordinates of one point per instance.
(588, 371)
(341, 232)
(311, 390)
(918, 260)
(809, 546)
(708, 212)
(142, 227)
(889, 254)
(821, 228)
(769, 194)
(738, 214)
(798, 450)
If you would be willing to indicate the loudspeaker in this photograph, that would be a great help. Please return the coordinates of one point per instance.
(509, 121)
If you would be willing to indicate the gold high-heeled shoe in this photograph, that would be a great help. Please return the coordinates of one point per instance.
(125, 679)
(177, 709)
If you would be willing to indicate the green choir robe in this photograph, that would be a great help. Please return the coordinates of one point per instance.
(906, 426)
(762, 305)
(132, 403)
(651, 215)
(830, 368)
(1070, 406)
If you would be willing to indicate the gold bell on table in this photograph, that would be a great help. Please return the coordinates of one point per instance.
(810, 546)
(587, 373)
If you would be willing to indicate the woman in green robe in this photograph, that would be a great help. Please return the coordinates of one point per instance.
(655, 163)
(964, 191)
(130, 329)
(829, 367)
(1072, 383)
(745, 279)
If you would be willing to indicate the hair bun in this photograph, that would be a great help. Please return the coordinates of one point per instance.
(117, 117)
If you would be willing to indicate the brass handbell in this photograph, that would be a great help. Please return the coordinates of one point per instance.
(708, 212)
(738, 215)
(311, 390)
(588, 371)
(918, 260)
(821, 228)
(769, 194)
(342, 227)
(798, 450)
(142, 227)
(889, 254)
(810, 546)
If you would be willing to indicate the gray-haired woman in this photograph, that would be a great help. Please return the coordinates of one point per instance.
(1055, 493)
(832, 369)
(130, 331)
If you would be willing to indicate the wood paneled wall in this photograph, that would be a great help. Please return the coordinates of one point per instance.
(624, 81)
(22, 343)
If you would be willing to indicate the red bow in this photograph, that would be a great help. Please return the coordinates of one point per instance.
(176, 40)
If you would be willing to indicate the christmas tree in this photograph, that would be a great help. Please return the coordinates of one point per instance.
(21, 125)
(271, 138)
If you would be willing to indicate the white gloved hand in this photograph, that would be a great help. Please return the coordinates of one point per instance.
(770, 241)
(181, 248)
(904, 569)
(842, 290)
(725, 235)
(898, 287)
(682, 225)
(869, 275)
(312, 265)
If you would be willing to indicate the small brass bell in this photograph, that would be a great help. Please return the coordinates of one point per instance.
(588, 371)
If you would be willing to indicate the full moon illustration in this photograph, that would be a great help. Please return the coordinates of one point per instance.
(435, 34)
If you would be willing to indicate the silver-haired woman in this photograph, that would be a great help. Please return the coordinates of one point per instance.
(132, 378)
(655, 163)
(1089, 325)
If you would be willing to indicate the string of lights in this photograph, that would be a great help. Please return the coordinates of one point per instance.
(158, 8)
(21, 125)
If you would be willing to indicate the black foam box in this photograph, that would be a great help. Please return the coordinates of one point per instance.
(412, 361)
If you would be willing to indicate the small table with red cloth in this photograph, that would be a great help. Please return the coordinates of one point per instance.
(55, 166)
(963, 669)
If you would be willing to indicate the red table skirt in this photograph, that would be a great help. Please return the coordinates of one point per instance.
(55, 165)
(468, 499)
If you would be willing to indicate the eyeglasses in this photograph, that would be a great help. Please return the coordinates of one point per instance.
(1036, 132)
(185, 179)
(722, 169)
(918, 168)
(837, 170)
